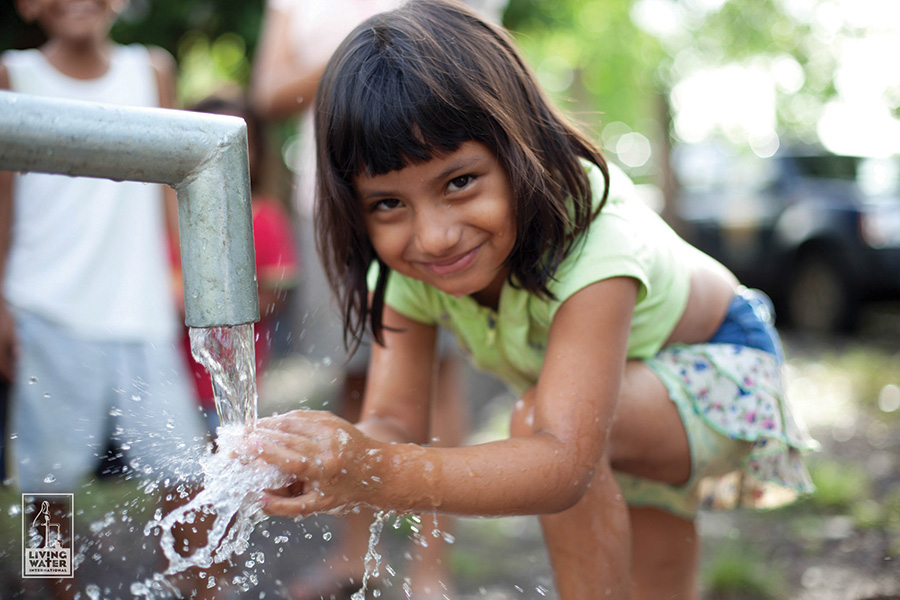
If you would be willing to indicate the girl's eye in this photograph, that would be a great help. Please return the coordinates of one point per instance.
(458, 183)
(384, 204)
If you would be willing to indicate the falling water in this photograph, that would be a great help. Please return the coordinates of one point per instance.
(228, 354)
(232, 487)
(373, 558)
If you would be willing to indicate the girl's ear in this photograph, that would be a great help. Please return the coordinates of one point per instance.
(29, 10)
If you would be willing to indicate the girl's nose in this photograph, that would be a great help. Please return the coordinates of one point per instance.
(437, 231)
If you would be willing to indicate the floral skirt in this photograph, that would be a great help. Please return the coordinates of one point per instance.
(746, 445)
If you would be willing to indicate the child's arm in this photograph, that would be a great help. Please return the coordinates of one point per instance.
(8, 341)
(544, 472)
(280, 87)
(164, 69)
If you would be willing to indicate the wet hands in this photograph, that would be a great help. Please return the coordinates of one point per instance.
(330, 459)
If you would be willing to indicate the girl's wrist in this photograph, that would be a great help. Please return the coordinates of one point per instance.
(404, 478)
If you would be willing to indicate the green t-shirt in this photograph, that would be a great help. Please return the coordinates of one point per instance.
(626, 239)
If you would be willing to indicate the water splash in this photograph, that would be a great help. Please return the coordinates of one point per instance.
(232, 485)
(230, 499)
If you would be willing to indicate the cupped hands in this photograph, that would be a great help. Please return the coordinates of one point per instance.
(334, 465)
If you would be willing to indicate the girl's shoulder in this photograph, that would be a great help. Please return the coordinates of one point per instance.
(627, 238)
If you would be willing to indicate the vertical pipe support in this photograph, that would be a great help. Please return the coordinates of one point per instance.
(203, 156)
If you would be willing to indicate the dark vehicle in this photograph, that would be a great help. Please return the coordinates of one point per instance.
(818, 232)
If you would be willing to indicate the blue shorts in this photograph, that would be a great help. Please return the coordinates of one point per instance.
(745, 443)
(750, 322)
(72, 396)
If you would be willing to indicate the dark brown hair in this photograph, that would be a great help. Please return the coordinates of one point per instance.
(415, 83)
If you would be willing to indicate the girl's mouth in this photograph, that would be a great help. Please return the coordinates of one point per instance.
(455, 264)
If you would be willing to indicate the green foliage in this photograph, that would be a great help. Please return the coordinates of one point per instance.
(596, 63)
(737, 573)
(754, 27)
(206, 65)
(838, 486)
(166, 23)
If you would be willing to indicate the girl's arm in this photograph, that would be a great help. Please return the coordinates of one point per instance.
(544, 472)
(281, 88)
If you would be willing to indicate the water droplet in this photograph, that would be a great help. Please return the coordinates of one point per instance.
(139, 589)
(50, 478)
(93, 591)
(32, 380)
(15, 510)
(326, 536)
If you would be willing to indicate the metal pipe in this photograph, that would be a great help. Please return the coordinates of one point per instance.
(203, 156)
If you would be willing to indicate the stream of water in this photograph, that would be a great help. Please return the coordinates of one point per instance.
(229, 355)
(232, 488)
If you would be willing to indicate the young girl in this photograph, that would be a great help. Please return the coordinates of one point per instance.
(453, 195)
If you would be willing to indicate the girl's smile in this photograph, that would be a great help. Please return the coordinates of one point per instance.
(449, 222)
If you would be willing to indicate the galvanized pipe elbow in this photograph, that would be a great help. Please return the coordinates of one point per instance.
(203, 156)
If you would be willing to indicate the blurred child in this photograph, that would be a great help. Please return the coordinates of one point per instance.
(88, 327)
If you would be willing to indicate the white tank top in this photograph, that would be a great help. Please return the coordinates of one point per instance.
(91, 254)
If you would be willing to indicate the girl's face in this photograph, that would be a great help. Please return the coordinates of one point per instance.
(449, 222)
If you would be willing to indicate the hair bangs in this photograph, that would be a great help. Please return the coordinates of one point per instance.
(396, 111)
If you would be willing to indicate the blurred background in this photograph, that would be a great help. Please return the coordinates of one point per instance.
(768, 133)
(720, 109)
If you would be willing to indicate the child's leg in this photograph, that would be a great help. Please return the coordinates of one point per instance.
(430, 576)
(648, 440)
(590, 544)
(665, 555)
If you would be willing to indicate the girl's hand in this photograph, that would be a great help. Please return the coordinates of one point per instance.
(331, 460)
